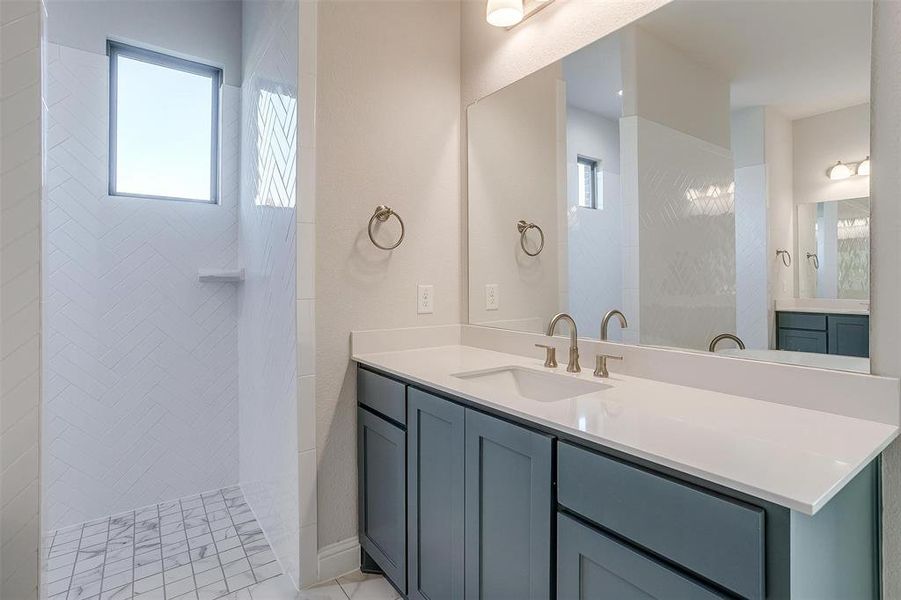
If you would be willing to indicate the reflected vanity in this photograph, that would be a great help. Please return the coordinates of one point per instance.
(685, 170)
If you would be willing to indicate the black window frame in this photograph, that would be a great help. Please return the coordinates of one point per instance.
(593, 164)
(115, 49)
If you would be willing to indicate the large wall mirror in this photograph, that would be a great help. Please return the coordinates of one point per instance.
(704, 170)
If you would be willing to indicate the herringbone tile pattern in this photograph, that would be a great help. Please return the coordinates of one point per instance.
(141, 358)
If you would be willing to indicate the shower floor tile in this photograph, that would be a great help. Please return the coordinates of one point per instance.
(201, 547)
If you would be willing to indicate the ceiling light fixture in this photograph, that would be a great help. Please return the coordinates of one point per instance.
(509, 13)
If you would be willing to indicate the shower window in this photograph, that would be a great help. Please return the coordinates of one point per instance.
(164, 126)
(589, 183)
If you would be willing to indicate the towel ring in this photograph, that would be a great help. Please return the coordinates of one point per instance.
(383, 213)
(816, 260)
(523, 228)
(786, 257)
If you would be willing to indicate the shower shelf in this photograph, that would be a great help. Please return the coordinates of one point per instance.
(220, 275)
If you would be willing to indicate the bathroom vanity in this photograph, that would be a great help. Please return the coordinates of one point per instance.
(823, 333)
(484, 475)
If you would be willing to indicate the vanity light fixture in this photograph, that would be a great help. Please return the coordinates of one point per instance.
(509, 13)
(620, 93)
(842, 170)
(839, 171)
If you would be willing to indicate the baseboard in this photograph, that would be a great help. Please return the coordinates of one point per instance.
(339, 558)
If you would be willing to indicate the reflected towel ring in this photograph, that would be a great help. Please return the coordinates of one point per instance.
(786, 257)
(816, 260)
(383, 213)
(523, 227)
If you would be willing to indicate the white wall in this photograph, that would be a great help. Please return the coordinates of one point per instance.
(141, 386)
(885, 261)
(267, 333)
(206, 30)
(819, 142)
(678, 196)
(779, 148)
(595, 236)
(513, 174)
(20, 299)
(395, 144)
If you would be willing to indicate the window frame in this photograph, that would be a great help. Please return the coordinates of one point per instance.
(594, 165)
(115, 49)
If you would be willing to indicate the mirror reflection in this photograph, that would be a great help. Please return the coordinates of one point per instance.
(705, 170)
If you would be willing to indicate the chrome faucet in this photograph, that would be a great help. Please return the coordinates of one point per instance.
(725, 336)
(573, 366)
(600, 361)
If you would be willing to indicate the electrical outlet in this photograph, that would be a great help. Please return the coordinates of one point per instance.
(425, 299)
(492, 299)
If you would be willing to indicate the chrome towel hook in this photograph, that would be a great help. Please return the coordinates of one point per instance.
(816, 260)
(383, 213)
(786, 257)
(523, 227)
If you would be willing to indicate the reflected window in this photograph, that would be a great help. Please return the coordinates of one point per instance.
(589, 183)
(276, 148)
(164, 126)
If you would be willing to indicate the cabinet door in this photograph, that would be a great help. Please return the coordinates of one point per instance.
(435, 497)
(849, 335)
(508, 510)
(382, 449)
(802, 341)
(591, 564)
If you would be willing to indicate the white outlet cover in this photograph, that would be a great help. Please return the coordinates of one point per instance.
(492, 296)
(425, 299)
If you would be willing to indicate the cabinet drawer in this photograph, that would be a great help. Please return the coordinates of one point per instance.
(799, 340)
(715, 537)
(793, 320)
(382, 395)
(591, 564)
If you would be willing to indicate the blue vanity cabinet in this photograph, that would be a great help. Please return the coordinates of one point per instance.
(592, 564)
(381, 455)
(508, 510)
(849, 335)
(435, 497)
(822, 333)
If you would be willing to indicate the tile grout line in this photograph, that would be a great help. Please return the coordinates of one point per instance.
(105, 550)
(213, 540)
(181, 509)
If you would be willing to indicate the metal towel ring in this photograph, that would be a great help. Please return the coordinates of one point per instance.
(383, 213)
(785, 253)
(523, 227)
(816, 260)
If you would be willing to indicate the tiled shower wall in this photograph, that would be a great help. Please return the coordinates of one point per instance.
(267, 331)
(20, 203)
(141, 384)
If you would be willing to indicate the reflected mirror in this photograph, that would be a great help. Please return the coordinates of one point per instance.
(705, 170)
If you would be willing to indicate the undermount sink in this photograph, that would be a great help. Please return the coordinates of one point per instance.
(532, 384)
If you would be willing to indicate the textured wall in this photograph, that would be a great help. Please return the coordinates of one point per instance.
(388, 132)
(140, 391)
(20, 313)
(885, 266)
(267, 334)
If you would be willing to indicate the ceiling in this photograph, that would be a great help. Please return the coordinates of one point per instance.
(803, 57)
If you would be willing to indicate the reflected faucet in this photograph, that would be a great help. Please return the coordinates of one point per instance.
(573, 366)
(600, 361)
(606, 322)
(725, 336)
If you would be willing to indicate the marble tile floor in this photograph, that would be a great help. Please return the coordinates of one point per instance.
(353, 586)
(201, 547)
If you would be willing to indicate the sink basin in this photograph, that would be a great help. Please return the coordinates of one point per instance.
(532, 384)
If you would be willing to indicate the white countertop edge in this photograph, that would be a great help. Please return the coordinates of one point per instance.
(824, 311)
(806, 507)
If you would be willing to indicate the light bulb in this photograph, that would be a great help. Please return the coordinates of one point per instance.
(504, 13)
(864, 167)
(838, 171)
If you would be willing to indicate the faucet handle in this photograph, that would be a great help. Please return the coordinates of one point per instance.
(600, 364)
(550, 357)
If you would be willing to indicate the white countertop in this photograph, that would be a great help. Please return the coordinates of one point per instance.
(832, 306)
(854, 364)
(794, 457)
